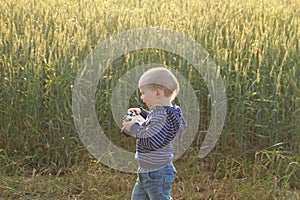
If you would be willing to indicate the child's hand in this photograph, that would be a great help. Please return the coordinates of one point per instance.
(136, 110)
(126, 125)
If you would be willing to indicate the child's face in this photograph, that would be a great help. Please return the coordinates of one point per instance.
(149, 96)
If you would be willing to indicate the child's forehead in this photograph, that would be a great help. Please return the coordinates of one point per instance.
(145, 88)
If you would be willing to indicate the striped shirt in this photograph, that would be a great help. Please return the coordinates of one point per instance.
(156, 136)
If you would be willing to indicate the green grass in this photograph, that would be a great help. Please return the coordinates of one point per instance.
(254, 43)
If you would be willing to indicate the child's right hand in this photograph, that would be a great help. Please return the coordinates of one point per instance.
(136, 110)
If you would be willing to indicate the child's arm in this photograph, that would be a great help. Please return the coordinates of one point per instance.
(144, 113)
(126, 125)
(156, 134)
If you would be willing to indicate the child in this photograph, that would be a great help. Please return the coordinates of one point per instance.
(156, 136)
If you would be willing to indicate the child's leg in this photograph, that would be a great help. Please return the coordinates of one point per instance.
(159, 183)
(138, 191)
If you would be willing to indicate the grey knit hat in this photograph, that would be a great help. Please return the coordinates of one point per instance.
(161, 76)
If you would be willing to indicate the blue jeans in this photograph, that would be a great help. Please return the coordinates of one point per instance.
(154, 185)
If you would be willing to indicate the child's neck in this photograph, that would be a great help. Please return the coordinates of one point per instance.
(165, 102)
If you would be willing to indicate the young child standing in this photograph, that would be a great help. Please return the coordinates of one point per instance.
(155, 137)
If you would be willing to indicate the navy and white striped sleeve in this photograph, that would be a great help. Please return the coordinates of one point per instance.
(152, 136)
(144, 113)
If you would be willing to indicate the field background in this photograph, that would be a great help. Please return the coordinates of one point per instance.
(255, 44)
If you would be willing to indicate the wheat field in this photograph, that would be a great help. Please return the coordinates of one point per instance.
(255, 44)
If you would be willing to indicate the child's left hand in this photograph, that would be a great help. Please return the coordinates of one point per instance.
(126, 125)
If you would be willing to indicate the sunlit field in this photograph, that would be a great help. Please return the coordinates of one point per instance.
(255, 44)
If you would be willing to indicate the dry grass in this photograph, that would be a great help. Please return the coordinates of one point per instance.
(194, 181)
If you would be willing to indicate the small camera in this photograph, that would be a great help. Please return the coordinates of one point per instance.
(132, 116)
(129, 117)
